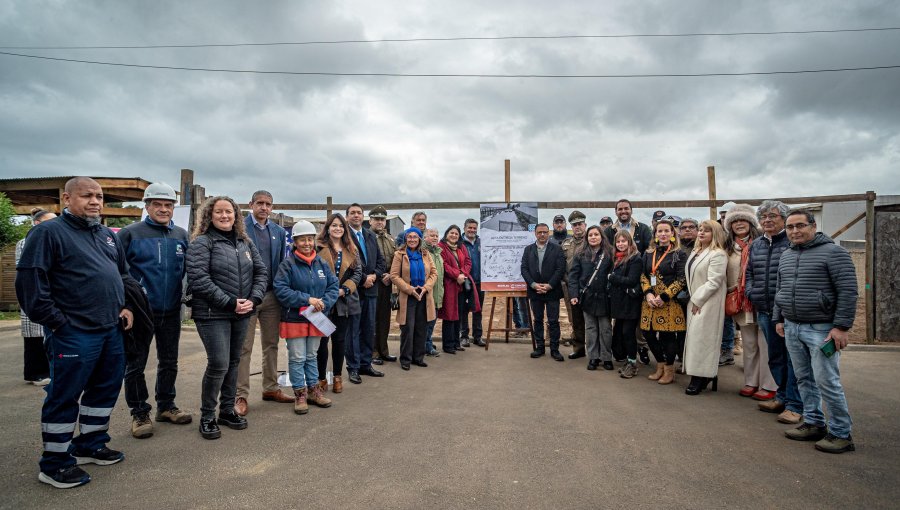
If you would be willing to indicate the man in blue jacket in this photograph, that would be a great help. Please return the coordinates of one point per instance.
(815, 306)
(472, 243)
(271, 242)
(155, 249)
(68, 279)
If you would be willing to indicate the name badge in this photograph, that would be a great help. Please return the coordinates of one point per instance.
(653, 281)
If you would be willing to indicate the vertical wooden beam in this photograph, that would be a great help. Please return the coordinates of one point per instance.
(870, 267)
(328, 207)
(187, 186)
(506, 193)
(711, 182)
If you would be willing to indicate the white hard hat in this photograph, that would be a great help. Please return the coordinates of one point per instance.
(160, 191)
(303, 228)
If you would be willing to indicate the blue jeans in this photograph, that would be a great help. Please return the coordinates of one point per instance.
(86, 369)
(167, 332)
(224, 341)
(351, 343)
(818, 377)
(780, 365)
(367, 330)
(303, 361)
(520, 313)
(429, 332)
(728, 334)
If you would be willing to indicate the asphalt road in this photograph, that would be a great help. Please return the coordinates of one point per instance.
(491, 429)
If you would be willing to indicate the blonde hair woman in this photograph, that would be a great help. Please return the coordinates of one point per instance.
(705, 272)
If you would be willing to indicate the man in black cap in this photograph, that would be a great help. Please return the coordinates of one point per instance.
(657, 215)
(605, 222)
(378, 224)
(576, 316)
(560, 232)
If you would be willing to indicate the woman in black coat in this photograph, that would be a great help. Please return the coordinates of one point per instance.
(587, 287)
(625, 300)
(227, 279)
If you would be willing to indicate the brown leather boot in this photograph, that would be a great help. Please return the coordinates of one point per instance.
(668, 375)
(300, 405)
(338, 385)
(660, 366)
(317, 397)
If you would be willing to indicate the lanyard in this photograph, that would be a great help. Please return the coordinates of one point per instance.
(657, 263)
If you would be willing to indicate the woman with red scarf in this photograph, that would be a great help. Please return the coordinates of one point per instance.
(625, 300)
(304, 281)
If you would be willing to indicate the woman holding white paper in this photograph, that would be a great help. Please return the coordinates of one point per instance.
(304, 281)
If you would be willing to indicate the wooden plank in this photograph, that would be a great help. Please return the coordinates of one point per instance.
(846, 227)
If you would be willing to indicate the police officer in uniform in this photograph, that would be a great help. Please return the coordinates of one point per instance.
(386, 245)
(576, 317)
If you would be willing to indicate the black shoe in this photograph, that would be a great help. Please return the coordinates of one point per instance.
(557, 356)
(232, 420)
(593, 364)
(537, 353)
(420, 364)
(460, 349)
(450, 351)
(608, 365)
(644, 356)
(65, 478)
(371, 372)
(479, 342)
(389, 358)
(354, 377)
(577, 354)
(377, 361)
(696, 385)
(209, 429)
(101, 456)
(404, 366)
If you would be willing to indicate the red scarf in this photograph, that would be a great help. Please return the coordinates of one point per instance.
(620, 256)
(306, 258)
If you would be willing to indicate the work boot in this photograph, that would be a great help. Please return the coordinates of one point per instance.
(726, 357)
(338, 385)
(738, 343)
(660, 370)
(317, 397)
(174, 415)
(805, 432)
(833, 444)
(141, 426)
(668, 375)
(300, 405)
(629, 370)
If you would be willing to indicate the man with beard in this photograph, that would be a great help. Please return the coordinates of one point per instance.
(560, 232)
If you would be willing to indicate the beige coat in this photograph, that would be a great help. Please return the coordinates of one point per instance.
(400, 278)
(705, 272)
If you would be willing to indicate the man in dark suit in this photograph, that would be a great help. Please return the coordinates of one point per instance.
(543, 269)
(361, 343)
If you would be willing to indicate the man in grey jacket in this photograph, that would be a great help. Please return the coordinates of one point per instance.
(815, 305)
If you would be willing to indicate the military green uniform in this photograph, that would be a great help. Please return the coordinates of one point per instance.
(576, 315)
(383, 303)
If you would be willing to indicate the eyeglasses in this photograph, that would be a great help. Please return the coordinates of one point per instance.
(769, 216)
(685, 227)
(796, 226)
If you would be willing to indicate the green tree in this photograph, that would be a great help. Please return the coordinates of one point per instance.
(10, 229)
(119, 222)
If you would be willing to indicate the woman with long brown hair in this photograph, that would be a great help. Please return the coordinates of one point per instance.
(588, 281)
(227, 279)
(336, 248)
(625, 300)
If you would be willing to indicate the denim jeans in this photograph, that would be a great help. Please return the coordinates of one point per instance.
(224, 341)
(167, 332)
(351, 343)
(780, 365)
(537, 309)
(366, 344)
(818, 377)
(429, 332)
(728, 333)
(520, 313)
(303, 361)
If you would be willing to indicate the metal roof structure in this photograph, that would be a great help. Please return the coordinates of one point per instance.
(46, 193)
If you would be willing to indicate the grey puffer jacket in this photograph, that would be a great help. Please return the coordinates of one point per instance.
(762, 270)
(219, 273)
(816, 284)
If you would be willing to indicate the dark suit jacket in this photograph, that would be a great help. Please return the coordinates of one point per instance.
(374, 261)
(552, 271)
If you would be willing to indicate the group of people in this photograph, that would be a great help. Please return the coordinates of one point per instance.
(347, 279)
(678, 288)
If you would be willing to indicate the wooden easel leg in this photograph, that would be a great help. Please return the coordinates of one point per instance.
(509, 314)
(487, 341)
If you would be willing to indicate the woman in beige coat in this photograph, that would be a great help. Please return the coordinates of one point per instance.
(742, 228)
(705, 273)
(414, 274)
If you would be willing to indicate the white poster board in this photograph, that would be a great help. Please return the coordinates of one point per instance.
(506, 229)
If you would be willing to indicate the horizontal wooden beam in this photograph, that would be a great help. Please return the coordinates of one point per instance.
(26, 209)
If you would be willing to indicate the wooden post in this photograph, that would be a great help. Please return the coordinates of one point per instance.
(328, 209)
(711, 182)
(870, 267)
(187, 185)
(506, 194)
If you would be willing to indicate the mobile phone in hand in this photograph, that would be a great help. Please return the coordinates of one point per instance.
(828, 348)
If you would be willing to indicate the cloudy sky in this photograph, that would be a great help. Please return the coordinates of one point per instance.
(403, 139)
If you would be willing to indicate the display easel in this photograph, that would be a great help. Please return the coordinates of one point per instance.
(509, 295)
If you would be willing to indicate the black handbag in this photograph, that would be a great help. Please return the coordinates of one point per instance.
(395, 301)
(467, 285)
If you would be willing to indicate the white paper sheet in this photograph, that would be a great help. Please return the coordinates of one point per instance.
(319, 320)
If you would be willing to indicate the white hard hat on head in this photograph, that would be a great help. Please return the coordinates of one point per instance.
(303, 228)
(160, 191)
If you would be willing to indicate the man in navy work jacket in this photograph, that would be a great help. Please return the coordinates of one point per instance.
(68, 279)
(543, 268)
(155, 249)
(360, 344)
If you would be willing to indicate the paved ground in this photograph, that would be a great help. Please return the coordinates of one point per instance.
(478, 430)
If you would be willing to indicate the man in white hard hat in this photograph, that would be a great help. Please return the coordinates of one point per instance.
(155, 249)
